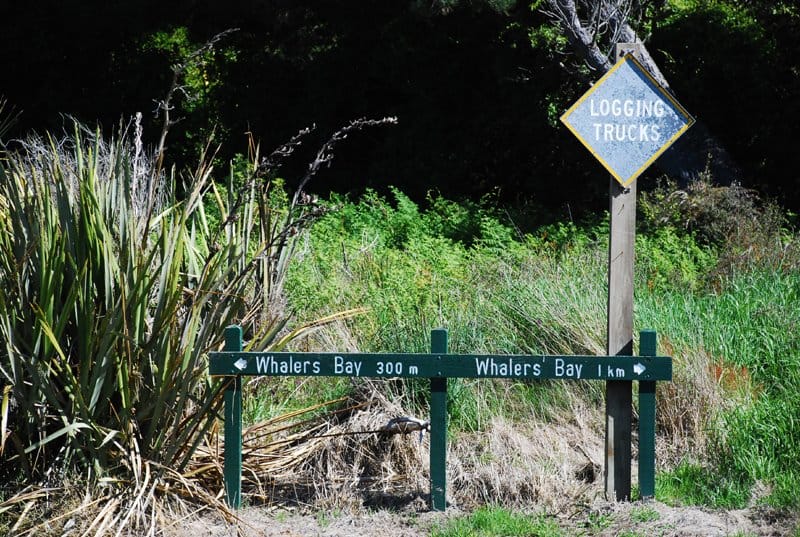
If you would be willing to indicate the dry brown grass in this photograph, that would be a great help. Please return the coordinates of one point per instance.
(337, 458)
(703, 387)
(158, 500)
(326, 464)
(555, 466)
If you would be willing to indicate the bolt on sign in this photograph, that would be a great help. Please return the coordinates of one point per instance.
(627, 120)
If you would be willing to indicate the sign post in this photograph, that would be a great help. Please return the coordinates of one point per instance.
(619, 342)
(437, 366)
(438, 420)
(626, 120)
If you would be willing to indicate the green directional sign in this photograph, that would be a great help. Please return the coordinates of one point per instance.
(445, 365)
(438, 366)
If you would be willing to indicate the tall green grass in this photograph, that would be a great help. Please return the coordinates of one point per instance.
(731, 327)
(415, 271)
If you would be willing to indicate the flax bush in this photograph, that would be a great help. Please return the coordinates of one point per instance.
(115, 281)
(103, 302)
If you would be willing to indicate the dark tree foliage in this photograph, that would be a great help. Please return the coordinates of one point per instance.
(477, 103)
(737, 68)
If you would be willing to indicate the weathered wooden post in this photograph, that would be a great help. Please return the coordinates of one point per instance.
(626, 120)
(620, 340)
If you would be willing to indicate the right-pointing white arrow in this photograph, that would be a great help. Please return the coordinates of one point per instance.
(639, 369)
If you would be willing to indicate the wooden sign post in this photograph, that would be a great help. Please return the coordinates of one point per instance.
(626, 120)
(619, 397)
(620, 340)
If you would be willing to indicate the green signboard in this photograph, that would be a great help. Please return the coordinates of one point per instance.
(522, 367)
(437, 366)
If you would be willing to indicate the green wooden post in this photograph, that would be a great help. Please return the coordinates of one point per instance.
(647, 421)
(438, 449)
(232, 471)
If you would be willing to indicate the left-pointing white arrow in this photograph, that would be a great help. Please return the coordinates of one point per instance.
(638, 369)
(240, 364)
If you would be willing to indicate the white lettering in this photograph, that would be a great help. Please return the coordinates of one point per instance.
(564, 369)
(619, 132)
(388, 368)
(489, 367)
(347, 367)
(503, 369)
(627, 108)
(615, 372)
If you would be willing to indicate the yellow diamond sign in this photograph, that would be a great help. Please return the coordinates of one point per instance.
(627, 120)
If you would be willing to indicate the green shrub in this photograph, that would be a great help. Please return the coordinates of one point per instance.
(667, 260)
(745, 230)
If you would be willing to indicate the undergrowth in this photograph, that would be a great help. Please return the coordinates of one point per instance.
(114, 285)
(720, 289)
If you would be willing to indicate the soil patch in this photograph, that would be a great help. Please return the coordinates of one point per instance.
(601, 520)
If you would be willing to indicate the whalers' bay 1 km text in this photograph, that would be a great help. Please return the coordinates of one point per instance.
(616, 110)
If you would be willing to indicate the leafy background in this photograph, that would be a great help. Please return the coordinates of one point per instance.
(477, 86)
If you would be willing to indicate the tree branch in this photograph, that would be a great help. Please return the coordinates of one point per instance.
(165, 105)
(609, 22)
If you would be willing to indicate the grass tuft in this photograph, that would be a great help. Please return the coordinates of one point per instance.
(497, 521)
